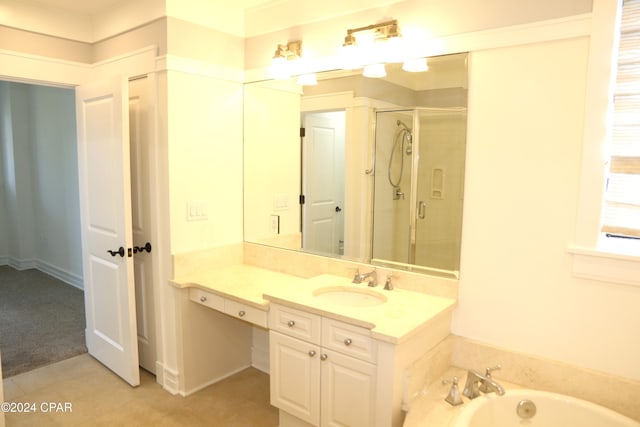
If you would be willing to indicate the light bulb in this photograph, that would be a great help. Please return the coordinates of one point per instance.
(374, 71)
(279, 69)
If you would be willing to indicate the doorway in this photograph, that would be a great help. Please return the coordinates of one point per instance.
(323, 153)
(53, 245)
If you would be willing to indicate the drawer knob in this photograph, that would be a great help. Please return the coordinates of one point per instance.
(203, 299)
(323, 357)
(312, 353)
(290, 323)
(241, 313)
(348, 342)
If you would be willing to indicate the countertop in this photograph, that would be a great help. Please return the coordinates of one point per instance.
(403, 314)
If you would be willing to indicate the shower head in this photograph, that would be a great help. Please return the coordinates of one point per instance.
(400, 123)
(408, 135)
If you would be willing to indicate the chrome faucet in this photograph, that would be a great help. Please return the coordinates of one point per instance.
(484, 388)
(360, 277)
(475, 381)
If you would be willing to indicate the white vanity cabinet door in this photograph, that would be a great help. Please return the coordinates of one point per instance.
(295, 377)
(348, 391)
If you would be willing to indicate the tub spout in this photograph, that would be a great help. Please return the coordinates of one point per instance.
(475, 380)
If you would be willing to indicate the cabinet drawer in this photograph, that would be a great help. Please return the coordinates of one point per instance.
(295, 323)
(348, 339)
(206, 298)
(246, 313)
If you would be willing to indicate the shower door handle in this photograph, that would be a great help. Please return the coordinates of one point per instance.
(422, 209)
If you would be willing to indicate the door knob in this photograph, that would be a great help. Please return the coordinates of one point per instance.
(338, 209)
(146, 247)
(118, 252)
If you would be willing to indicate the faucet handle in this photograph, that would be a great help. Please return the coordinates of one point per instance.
(388, 286)
(356, 275)
(454, 398)
(487, 373)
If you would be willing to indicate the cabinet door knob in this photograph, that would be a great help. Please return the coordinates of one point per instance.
(348, 342)
(203, 299)
(290, 323)
(241, 313)
(312, 353)
(323, 357)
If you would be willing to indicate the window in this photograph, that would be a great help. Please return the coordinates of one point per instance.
(622, 199)
(594, 256)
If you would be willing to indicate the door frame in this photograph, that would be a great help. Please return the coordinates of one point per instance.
(32, 69)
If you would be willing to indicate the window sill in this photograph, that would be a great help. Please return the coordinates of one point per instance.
(606, 266)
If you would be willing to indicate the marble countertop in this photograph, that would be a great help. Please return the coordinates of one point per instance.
(240, 282)
(403, 314)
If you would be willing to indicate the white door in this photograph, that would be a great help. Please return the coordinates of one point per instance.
(105, 212)
(141, 142)
(348, 391)
(323, 182)
(295, 377)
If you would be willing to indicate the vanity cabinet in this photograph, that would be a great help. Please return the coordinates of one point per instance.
(323, 372)
(228, 306)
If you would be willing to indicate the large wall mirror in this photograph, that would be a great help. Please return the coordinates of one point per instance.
(367, 169)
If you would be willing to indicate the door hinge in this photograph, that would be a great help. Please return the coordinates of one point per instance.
(302, 132)
(301, 199)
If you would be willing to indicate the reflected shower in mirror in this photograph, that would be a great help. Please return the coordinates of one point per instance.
(369, 170)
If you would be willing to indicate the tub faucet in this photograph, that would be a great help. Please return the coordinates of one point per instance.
(360, 277)
(475, 380)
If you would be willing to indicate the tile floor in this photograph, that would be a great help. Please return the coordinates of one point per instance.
(99, 398)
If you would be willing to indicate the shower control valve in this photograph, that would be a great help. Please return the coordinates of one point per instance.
(397, 194)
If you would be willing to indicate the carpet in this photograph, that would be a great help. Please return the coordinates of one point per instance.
(42, 320)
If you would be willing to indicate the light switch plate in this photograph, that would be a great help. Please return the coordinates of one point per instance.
(196, 210)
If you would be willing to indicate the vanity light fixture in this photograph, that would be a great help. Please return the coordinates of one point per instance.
(415, 65)
(285, 60)
(374, 70)
(384, 36)
(385, 45)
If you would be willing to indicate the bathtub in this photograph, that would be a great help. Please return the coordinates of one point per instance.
(533, 408)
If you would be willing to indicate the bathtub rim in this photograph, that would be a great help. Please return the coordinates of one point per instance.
(470, 407)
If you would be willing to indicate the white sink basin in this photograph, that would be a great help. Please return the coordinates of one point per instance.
(349, 296)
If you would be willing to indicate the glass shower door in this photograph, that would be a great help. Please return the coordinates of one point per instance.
(439, 176)
(418, 187)
(392, 186)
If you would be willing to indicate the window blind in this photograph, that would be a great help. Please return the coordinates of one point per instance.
(622, 199)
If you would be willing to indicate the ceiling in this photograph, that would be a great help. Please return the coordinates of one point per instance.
(91, 7)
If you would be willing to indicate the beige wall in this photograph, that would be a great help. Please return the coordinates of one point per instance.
(525, 136)
(44, 45)
(525, 142)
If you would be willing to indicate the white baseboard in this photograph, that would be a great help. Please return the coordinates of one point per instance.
(213, 381)
(61, 274)
(168, 378)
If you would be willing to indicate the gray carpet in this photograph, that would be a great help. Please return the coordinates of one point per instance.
(41, 320)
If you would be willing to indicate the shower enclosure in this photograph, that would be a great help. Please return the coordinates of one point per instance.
(418, 188)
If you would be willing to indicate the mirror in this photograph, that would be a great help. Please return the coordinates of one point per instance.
(369, 170)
